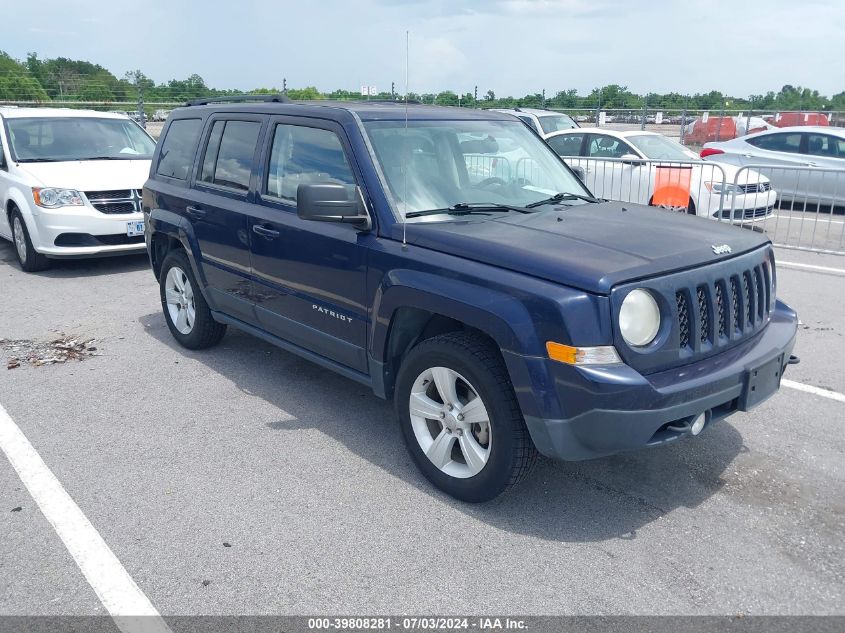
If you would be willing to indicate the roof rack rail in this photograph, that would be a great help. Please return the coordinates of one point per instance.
(240, 99)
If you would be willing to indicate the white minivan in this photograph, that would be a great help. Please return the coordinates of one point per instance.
(70, 183)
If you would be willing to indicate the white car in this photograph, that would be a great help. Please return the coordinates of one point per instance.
(645, 167)
(792, 155)
(70, 183)
(542, 121)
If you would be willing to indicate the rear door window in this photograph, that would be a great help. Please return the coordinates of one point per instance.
(305, 155)
(566, 144)
(229, 154)
(825, 145)
(784, 142)
(604, 146)
(179, 148)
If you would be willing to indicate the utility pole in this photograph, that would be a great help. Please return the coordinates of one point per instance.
(544, 98)
(598, 108)
(142, 119)
(748, 117)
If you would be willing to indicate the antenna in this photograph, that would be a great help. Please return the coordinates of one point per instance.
(405, 140)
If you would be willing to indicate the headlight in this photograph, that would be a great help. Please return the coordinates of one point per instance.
(716, 186)
(52, 198)
(639, 318)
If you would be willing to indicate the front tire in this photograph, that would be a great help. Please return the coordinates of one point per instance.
(460, 418)
(29, 259)
(185, 310)
(689, 209)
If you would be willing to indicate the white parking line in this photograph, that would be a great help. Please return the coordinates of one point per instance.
(817, 391)
(825, 269)
(822, 219)
(112, 583)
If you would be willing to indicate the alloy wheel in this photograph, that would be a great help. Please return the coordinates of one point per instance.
(20, 238)
(450, 422)
(179, 296)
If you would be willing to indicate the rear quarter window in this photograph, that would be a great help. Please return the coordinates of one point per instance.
(179, 148)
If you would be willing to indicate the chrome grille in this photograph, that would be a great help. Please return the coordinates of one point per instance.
(114, 194)
(115, 201)
(757, 187)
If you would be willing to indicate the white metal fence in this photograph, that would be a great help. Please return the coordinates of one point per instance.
(810, 210)
(797, 206)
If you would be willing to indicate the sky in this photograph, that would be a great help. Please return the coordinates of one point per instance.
(513, 47)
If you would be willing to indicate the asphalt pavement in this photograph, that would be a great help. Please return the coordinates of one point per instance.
(244, 480)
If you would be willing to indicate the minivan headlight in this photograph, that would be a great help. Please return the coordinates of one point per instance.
(639, 318)
(51, 198)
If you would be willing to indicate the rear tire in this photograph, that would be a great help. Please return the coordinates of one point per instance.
(185, 310)
(29, 259)
(473, 457)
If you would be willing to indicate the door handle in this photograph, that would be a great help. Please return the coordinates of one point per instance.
(195, 212)
(263, 231)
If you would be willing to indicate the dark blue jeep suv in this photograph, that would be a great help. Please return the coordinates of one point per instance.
(448, 259)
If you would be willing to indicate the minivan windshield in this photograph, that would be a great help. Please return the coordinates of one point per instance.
(54, 139)
(431, 165)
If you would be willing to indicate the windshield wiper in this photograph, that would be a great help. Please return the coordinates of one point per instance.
(39, 160)
(560, 197)
(468, 208)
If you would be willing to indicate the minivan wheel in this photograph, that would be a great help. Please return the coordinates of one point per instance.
(185, 310)
(30, 260)
(460, 418)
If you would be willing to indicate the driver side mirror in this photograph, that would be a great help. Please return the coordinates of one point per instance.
(579, 171)
(332, 203)
(631, 159)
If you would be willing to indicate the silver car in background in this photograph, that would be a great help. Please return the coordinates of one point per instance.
(806, 164)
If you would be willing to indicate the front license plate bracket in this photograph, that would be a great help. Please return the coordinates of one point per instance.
(761, 382)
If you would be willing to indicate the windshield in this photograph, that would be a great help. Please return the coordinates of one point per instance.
(556, 122)
(659, 147)
(45, 139)
(439, 164)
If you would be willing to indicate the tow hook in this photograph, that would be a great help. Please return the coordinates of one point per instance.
(793, 360)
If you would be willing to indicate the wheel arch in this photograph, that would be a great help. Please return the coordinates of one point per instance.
(169, 231)
(411, 306)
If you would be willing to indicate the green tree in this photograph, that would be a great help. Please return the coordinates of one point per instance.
(16, 83)
(446, 98)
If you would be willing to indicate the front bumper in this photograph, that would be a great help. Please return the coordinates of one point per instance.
(613, 408)
(740, 206)
(74, 232)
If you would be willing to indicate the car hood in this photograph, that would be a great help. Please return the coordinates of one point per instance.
(592, 247)
(90, 175)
